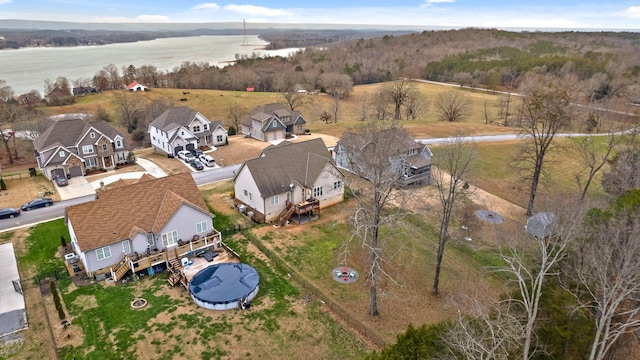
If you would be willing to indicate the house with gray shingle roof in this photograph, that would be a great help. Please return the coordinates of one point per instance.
(168, 213)
(182, 128)
(288, 179)
(72, 146)
(273, 122)
(410, 159)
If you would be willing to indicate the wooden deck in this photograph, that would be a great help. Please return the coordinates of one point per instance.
(145, 261)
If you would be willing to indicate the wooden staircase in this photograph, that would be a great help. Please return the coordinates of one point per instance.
(286, 214)
(122, 270)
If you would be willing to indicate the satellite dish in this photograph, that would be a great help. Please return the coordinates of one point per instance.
(291, 185)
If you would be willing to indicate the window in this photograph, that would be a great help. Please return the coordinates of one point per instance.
(150, 240)
(317, 191)
(119, 143)
(90, 162)
(337, 185)
(219, 138)
(250, 196)
(201, 227)
(103, 253)
(275, 124)
(87, 149)
(121, 156)
(92, 135)
(170, 238)
(206, 126)
(126, 246)
(246, 193)
(104, 147)
(62, 154)
(196, 128)
(275, 200)
(288, 196)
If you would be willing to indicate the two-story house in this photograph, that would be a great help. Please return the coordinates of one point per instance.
(411, 159)
(71, 146)
(288, 179)
(182, 128)
(273, 122)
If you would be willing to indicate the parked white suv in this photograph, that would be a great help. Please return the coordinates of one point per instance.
(186, 155)
(207, 160)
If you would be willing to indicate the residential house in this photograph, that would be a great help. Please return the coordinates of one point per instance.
(272, 122)
(71, 146)
(83, 90)
(182, 128)
(413, 158)
(135, 86)
(139, 226)
(288, 179)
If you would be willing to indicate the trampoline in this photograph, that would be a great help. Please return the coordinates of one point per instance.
(224, 286)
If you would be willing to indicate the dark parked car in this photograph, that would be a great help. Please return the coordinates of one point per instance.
(37, 203)
(196, 152)
(196, 165)
(61, 181)
(9, 213)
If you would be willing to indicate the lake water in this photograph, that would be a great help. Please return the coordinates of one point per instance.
(27, 69)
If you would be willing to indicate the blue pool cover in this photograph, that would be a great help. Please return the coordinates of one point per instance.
(224, 283)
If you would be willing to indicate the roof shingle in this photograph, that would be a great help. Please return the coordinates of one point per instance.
(144, 206)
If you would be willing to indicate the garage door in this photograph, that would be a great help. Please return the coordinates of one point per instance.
(190, 147)
(75, 171)
(57, 172)
(176, 149)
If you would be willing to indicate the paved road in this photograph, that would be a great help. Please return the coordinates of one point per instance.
(36, 216)
(221, 173)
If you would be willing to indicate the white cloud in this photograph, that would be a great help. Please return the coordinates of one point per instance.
(431, 2)
(152, 18)
(206, 6)
(632, 12)
(256, 10)
(4, 1)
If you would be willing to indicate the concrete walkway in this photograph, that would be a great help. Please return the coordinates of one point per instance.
(150, 168)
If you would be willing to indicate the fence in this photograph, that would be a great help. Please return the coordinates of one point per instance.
(313, 290)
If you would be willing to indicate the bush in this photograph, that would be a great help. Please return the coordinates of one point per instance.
(232, 131)
(56, 300)
(63, 241)
(138, 135)
(3, 186)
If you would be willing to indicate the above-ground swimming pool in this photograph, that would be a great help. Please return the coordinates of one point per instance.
(224, 286)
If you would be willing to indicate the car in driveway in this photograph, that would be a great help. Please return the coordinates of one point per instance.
(196, 164)
(37, 203)
(61, 181)
(207, 160)
(186, 155)
(196, 152)
(9, 213)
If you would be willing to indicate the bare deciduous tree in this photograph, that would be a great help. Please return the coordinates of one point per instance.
(592, 159)
(294, 99)
(399, 92)
(488, 335)
(546, 111)
(452, 164)
(415, 105)
(372, 155)
(609, 273)
(335, 108)
(451, 106)
(380, 102)
(237, 112)
(128, 106)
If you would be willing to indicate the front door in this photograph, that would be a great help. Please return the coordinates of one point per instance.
(107, 161)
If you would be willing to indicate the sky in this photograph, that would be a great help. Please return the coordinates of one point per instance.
(539, 14)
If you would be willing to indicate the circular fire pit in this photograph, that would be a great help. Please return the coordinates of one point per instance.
(138, 303)
(345, 275)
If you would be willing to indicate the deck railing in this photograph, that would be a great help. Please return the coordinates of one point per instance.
(147, 260)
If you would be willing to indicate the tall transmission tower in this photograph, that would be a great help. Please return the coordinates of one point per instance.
(244, 34)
